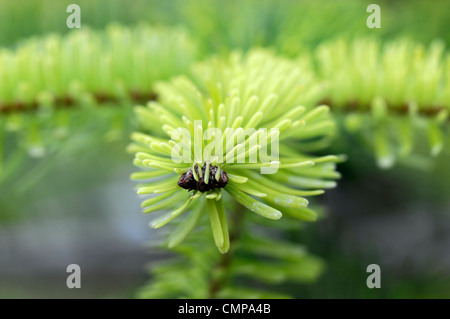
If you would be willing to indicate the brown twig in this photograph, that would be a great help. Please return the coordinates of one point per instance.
(401, 109)
(68, 101)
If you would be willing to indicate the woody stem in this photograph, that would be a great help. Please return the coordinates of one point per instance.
(236, 225)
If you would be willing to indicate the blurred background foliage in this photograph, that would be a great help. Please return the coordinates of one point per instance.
(287, 25)
(76, 206)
